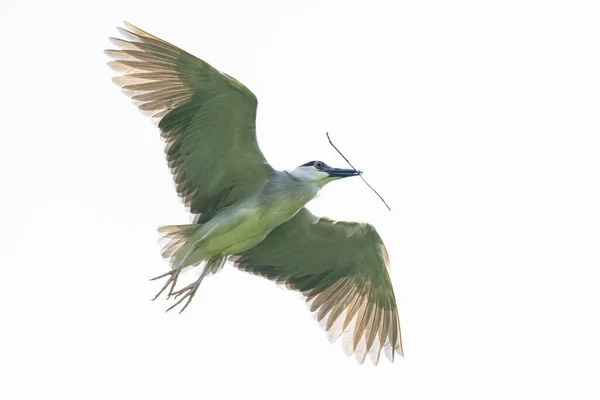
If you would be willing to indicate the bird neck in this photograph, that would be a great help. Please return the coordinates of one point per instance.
(290, 191)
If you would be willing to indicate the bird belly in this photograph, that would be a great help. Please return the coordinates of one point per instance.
(239, 229)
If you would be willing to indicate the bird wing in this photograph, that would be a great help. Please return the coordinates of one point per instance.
(342, 269)
(206, 118)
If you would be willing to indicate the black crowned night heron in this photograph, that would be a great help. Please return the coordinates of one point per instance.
(247, 212)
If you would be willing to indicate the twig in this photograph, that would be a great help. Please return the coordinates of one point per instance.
(361, 177)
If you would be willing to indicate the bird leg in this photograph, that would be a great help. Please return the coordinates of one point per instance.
(173, 275)
(187, 292)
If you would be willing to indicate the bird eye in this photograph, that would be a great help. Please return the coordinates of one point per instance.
(318, 165)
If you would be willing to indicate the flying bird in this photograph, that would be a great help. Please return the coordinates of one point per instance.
(246, 211)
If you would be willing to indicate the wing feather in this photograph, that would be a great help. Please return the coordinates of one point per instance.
(207, 119)
(342, 270)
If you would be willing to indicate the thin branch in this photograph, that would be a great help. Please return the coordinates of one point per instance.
(361, 177)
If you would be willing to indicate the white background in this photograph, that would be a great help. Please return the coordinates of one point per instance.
(477, 121)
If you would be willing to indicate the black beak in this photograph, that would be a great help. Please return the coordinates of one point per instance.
(341, 172)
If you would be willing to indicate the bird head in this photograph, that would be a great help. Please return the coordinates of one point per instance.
(321, 173)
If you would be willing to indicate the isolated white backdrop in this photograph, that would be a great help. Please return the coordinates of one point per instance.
(477, 121)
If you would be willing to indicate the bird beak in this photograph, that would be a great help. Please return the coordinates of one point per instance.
(341, 172)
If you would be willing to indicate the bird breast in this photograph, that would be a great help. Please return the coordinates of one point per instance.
(243, 225)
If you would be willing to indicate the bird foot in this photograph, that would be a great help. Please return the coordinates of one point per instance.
(173, 275)
(187, 293)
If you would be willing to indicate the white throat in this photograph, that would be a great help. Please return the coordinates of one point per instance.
(310, 174)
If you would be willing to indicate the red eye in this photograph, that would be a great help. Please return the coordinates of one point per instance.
(318, 165)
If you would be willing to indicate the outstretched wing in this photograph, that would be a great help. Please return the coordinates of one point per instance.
(341, 268)
(206, 117)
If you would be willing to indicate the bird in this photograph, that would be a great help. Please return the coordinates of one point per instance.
(245, 211)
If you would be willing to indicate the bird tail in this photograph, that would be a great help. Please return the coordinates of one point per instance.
(179, 243)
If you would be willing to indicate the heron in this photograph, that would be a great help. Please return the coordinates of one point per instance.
(245, 211)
